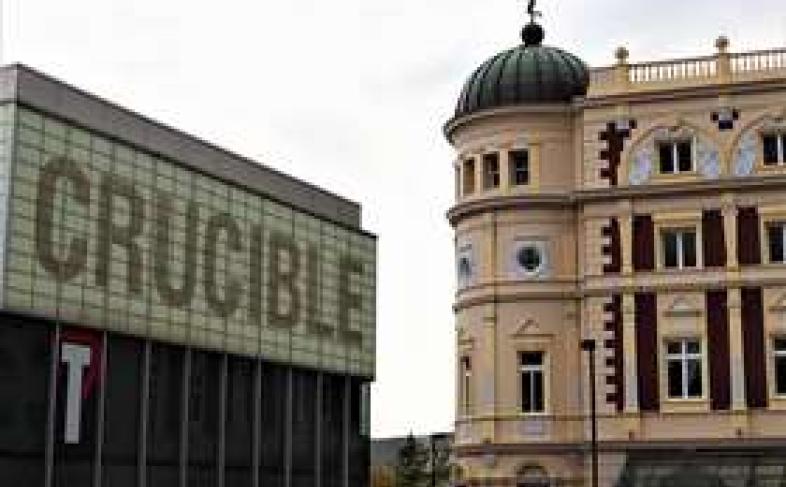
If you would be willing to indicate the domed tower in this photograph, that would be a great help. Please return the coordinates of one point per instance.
(518, 315)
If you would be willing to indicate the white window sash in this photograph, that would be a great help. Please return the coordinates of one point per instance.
(683, 358)
(779, 143)
(530, 372)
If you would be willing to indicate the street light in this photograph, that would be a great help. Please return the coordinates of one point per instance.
(589, 347)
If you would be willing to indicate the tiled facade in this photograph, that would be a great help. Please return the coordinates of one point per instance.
(659, 251)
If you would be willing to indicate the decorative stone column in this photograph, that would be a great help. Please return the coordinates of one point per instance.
(736, 353)
(629, 357)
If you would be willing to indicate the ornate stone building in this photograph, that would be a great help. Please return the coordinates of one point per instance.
(642, 206)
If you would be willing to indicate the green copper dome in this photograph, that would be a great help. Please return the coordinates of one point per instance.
(528, 73)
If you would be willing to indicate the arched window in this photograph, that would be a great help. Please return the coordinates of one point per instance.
(532, 476)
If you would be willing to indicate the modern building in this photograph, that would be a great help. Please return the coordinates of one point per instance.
(172, 314)
(643, 206)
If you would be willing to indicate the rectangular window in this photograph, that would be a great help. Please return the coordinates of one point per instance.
(675, 156)
(466, 385)
(776, 236)
(679, 249)
(531, 372)
(779, 351)
(774, 146)
(469, 176)
(491, 171)
(519, 167)
(684, 364)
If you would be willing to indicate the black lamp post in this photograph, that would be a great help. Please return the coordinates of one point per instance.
(589, 347)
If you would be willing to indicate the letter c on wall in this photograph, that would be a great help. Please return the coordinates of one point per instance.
(62, 269)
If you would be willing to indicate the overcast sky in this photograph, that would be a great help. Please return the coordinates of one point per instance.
(351, 95)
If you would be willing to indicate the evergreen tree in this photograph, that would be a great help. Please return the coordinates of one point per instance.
(412, 469)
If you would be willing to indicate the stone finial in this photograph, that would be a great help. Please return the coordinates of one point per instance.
(722, 44)
(622, 55)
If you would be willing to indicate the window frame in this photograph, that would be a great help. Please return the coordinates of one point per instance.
(674, 145)
(514, 170)
(469, 181)
(780, 156)
(778, 354)
(684, 357)
(768, 227)
(492, 179)
(679, 232)
(529, 369)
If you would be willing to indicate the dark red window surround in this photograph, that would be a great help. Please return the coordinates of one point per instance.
(718, 338)
(643, 243)
(753, 348)
(615, 358)
(614, 249)
(714, 241)
(647, 350)
(748, 245)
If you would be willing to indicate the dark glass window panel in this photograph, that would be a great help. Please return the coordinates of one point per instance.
(466, 364)
(775, 234)
(469, 177)
(531, 358)
(359, 453)
(538, 392)
(204, 394)
(780, 375)
(694, 378)
(165, 405)
(25, 348)
(666, 155)
(780, 344)
(673, 348)
(675, 378)
(519, 162)
(689, 249)
(770, 145)
(693, 347)
(491, 171)
(239, 421)
(685, 155)
(526, 392)
(670, 250)
(273, 425)
(304, 428)
(123, 394)
(332, 430)
(74, 462)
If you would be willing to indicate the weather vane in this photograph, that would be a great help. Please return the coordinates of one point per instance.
(533, 14)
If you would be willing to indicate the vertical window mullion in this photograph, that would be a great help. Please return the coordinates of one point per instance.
(779, 139)
(675, 154)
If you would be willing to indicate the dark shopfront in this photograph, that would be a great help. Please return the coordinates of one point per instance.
(156, 414)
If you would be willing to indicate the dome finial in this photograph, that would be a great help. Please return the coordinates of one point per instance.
(532, 34)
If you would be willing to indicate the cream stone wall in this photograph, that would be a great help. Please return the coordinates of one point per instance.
(501, 312)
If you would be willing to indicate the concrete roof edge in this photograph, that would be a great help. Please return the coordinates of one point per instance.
(30, 87)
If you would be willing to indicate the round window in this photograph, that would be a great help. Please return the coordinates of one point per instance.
(530, 258)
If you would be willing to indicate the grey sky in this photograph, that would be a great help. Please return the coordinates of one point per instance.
(351, 95)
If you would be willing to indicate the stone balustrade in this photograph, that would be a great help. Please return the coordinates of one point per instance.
(722, 68)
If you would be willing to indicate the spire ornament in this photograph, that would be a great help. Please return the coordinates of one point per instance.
(532, 34)
(533, 14)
